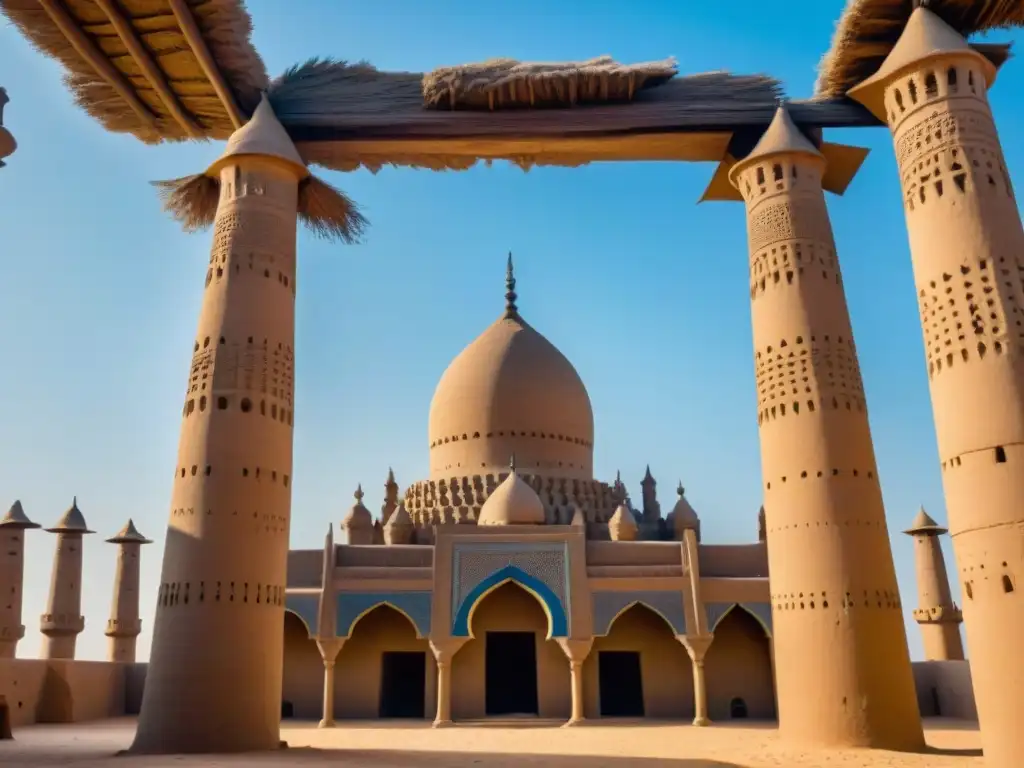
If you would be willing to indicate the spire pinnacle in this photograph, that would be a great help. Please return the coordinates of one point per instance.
(511, 310)
(680, 490)
(359, 493)
(512, 464)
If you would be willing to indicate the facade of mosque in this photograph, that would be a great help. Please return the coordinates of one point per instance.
(492, 590)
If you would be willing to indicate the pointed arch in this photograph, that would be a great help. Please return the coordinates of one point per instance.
(304, 607)
(382, 604)
(558, 623)
(718, 612)
(643, 604)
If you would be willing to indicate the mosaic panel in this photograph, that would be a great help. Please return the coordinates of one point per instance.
(306, 607)
(717, 611)
(352, 605)
(473, 562)
(608, 605)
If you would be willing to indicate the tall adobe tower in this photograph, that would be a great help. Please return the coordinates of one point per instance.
(936, 614)
(63, 621)
(214, 681)
(12, 576)
(124, 624)
(841, 658)
(967, 248)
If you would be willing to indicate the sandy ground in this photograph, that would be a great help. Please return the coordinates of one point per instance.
(642, 744)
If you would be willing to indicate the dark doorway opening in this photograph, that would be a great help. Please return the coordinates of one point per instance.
(621, 687)
(936, 706)
(510, 669)
(287, 710)
(403, 680)
(738, 709)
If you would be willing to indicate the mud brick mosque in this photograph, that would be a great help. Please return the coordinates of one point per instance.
(511, 581)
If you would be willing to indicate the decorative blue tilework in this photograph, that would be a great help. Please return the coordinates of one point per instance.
(306, 607)
(545, 561)
(558, 622)
(608, 606)
(354, 605)
(762, 612)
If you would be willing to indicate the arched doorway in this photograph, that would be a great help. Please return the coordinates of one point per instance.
(509, 667)
(303, 676)
(738, 669)
(638, 669)
(384, 670)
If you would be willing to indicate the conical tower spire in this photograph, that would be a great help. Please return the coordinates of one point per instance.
(511, 310)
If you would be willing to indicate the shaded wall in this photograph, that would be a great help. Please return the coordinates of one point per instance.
(358, 670)
(665, 671)
(59, 691)
(303, 682)
(738, 665)
(509, 608)
(944, 689)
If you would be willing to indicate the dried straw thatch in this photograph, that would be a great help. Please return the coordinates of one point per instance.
(504, 83)
(158, 69)
(325, 210)
(868, 29)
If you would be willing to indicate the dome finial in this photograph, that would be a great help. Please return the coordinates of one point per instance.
(4, 99)
(359, 493)
(511, 310)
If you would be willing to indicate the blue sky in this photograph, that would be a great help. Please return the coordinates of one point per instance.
(643, 290)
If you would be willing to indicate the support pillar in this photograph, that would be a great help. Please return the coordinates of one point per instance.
(124, 624)
(576, 651)
(12, 572)
(329, 648)
(697, 647)
(215, 670)
(843, 666)
(63, 621)
(967, 250)
(444, 650)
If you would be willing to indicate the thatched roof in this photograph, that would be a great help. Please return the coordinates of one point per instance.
(157, 69)
(504, 83)
(868, 29)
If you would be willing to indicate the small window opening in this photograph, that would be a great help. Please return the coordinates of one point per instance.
(1000, 455)
(1007, 584)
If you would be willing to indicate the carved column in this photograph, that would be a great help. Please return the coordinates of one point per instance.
(967, 249)
(215, 672)
(12, 575)
(444, 650)
(843, 667)
(576, 651)
(697, 646)
(329, 648)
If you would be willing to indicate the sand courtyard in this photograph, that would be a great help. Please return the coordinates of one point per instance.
(381, 744)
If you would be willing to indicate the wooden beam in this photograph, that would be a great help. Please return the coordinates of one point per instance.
(194, 37)
(149, 68)
(89, 51)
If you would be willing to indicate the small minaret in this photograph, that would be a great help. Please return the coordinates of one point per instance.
(7, 142)
(762, 525)
(683, 517)
(12, 576)
(399, 529)
(124, 624)
(390, 497)
(966, 241)
(936, 614)
(841, 658)
(358, 523)
(649, 495)
(63, 620)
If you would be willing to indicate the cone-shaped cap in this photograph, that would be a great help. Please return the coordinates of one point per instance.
(781, 138)
(400, 517)
(622, 525)
(926, 36)
(648, 477)
(16, 518)
(579, 517)
(924, 524)
(129, 535)
(683, 515)
(513, 502)
(263, 135)
(72, 521)
(358, 516)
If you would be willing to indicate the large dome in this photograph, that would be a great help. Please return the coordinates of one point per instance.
(511, 392)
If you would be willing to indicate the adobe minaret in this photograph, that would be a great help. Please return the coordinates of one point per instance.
(124, 624)
(63, 620)
(936, 614)
(967, 249)
(12, 575)
(841, 659)
(214, 680)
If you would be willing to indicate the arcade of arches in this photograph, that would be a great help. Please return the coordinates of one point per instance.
(510, 668)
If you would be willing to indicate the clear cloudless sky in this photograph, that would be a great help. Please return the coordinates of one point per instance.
(644, 290)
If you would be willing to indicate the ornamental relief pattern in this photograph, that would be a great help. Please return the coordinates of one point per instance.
(545, 561)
